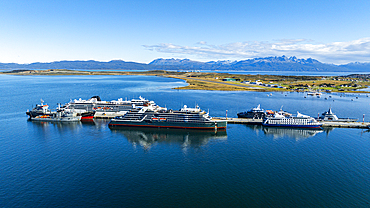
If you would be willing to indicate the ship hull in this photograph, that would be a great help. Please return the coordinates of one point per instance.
(318, 126)
(87, 115)
(74, 119)
(219, 125)
(255, 115)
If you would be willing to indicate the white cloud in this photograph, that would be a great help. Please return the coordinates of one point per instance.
(335, 52)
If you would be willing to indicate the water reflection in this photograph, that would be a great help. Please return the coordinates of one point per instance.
(63, 126)
(147, 137)
(59, 125)
(297, 134)
(278, 132)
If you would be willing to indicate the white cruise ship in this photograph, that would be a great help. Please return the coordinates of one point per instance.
(299, 121)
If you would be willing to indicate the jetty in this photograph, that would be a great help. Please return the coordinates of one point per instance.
(360, 125)
(250, 121)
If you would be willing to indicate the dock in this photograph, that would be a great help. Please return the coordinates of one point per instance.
(362, 125)
(242, 120)
(250, 121)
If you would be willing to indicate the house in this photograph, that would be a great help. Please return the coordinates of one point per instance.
(257, 82)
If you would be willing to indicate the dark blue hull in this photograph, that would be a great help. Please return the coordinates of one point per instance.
(295, 126)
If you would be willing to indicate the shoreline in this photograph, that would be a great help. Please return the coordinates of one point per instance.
(230, 82)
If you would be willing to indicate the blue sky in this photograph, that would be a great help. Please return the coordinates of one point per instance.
(44, 31)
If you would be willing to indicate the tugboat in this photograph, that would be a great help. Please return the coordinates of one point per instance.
(254, 113)
(42, 109)
(330, 116)
(61, 116)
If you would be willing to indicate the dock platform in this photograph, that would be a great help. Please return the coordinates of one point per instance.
(360, 125)
(363, 125)
(242, 120)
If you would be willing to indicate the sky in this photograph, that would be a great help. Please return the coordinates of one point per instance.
(331, 31)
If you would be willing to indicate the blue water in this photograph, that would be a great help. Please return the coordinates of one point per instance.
(284, 73)
(89, 165)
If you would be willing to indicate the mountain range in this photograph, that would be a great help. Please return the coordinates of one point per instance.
(275, 63)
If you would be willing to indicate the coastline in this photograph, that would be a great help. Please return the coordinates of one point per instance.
(233, 82)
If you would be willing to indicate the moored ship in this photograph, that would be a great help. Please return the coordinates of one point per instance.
(106, 109)
(60, 116)
(330, 116)
(299, 121)
(39, 110)
(254, 113)
(43, 113)
(185, 118)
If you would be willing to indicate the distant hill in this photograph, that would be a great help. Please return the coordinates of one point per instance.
(115, 64)
(275, 63)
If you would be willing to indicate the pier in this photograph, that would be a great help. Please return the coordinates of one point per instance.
(360, 125)
(241, 120)
(324, 124)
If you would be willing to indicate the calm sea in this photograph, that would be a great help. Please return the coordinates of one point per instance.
(89, 165)
(284, 73)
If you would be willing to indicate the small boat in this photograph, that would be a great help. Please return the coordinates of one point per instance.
(314, 93)
(330, 116)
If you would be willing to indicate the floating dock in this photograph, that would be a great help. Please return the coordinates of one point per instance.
(324, 124)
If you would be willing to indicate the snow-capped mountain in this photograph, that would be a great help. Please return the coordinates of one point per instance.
(273, 63)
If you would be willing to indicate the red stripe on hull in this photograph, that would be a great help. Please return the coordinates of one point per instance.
(87, 117)
(173, 127)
